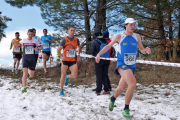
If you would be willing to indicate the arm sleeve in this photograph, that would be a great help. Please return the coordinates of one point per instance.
(92, 49)
(62, 42)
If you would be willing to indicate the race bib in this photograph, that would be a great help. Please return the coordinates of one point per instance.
(29, 50)
(71, 52)
(16, 49)
(46, 45)
(129, 58)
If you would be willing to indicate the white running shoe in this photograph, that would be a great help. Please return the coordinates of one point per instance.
(13, 70)
(16, 71)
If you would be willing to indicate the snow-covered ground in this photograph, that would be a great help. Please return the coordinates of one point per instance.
(39, 65)
(42, 102)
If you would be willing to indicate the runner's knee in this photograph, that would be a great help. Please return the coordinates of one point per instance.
(121, 88)
(132, 85)
(74, 75)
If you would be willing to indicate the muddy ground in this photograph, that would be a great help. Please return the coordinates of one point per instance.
(145, 74)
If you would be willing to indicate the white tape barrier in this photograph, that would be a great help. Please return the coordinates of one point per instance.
(137, 61)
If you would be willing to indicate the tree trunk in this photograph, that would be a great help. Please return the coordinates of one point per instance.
(100, 22)
(177, 44)
(161, 28)
(170, 43)
(87, 26)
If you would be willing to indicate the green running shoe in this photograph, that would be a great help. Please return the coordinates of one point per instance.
(29, 78)
(24, 90)
(126, 114)
(111, 104)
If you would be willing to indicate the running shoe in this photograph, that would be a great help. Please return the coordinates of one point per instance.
(111, 104)
(61, 92)
(29, 78)
(46, 72)
(13, 70)
(126, 114)
(16, 71)
(66, 80)
(24, 90)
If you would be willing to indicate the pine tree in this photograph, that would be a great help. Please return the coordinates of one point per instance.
(3, 26)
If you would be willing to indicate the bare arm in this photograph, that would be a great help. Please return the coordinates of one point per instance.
(59, 52)
(141, 47)
(52, 41)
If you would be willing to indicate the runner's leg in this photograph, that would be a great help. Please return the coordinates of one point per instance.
(45, 58)
(15, 60)
(130, 79)
(18, 62)
(63, 74)
(74, 71)
(24, 78)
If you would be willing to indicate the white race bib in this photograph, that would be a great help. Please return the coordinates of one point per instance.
(71, 52)
(46, 45)
(29, 50)
(16, 49)
(129, 58)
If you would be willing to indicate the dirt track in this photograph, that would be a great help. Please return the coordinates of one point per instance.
(145, 74)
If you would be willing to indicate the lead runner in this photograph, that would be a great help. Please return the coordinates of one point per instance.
(126, 62)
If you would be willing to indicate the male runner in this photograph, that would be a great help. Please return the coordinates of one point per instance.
(29, 58)
(46, 47)
(31, 75)
(17, 54)
(69, 58)
(126, 62)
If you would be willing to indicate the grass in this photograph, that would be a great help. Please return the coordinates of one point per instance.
(145, 74)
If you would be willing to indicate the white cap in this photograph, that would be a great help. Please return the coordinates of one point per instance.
(130, 20)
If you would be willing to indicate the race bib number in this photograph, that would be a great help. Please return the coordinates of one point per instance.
(16, 49)
(71, 52)
(130, 58)
(46, 45)
(29, 50)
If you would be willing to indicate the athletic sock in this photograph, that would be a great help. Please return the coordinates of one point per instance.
(44, 69)
(67, 76)
(30, 77)
(126, 107)
(24, 87)
(113, 99)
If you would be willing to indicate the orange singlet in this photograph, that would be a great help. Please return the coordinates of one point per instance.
(69, 49)
(17, 49)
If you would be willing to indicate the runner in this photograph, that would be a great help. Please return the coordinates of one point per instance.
(46, 48)
(31, 75)
(40, 56)
(126, 62)
(29, 58)
(69, 58)
(51, 59)
(17, 54)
